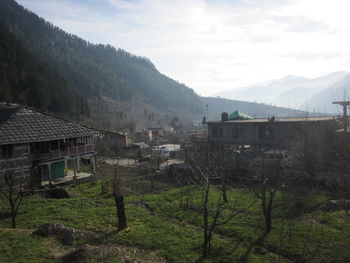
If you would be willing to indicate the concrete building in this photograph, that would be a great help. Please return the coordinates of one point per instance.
(246, 138)
(149, 135)
(268, 133)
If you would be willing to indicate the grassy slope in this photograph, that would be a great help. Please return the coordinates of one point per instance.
(170, 225)
(171, 228)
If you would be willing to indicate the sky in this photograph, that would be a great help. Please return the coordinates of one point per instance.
(215, 45)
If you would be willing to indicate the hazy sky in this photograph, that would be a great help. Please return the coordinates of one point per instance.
(215, 45)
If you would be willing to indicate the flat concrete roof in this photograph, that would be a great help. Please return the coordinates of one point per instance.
(342, 130)
(346, 103)
(301, 119)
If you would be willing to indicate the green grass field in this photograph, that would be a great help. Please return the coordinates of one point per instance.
(168, 225)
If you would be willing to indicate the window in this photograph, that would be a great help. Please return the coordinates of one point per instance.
(81, 141)
(7, 151)
(217, 132)
(54, 145)
(266, 132)
(88, 140)
(63, 145)
(236, 132)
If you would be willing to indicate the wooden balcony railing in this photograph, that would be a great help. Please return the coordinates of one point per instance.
(199, 137)
(81, 149)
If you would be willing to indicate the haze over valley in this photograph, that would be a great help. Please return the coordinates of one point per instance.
(297, 92)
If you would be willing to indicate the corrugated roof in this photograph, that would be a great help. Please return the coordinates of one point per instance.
(237, 115)
(24, 125)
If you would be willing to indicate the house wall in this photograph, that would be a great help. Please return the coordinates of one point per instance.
(274, 134)
(22, 160)
(17, 164)
(120, 139)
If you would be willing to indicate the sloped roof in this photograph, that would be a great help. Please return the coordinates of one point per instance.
(237, 115)
(24, 125)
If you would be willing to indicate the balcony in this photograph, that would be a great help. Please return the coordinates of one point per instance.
(54, 154)
(198, 137)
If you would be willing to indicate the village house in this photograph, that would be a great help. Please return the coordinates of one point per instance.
(120, 139)
(240, 134)
(143, 136)
(37, 147)
(149, 135)
(270, 133)
(137, 150)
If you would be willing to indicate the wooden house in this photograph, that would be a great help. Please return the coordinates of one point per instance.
(36, 146)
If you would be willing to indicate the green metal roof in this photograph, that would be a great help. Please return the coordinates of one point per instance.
(237, 115)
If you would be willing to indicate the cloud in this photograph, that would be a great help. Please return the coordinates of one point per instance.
(212, 45)
(318, 57)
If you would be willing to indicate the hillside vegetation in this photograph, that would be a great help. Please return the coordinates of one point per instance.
(77, 67)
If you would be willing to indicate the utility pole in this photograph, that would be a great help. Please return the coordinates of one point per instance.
(345, 104)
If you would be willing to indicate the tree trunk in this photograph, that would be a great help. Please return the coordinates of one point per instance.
(13, 209)
(224, 194)
(267, 210)
(268, 223)
(13, 219)
(206, 241)
(119, 202)
(205, 252)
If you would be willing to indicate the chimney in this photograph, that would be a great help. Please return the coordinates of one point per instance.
(224, 116)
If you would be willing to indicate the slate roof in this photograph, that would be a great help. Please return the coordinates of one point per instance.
(25, 125)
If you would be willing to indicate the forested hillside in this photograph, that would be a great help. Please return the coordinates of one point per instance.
(49, 68)
(28, 80)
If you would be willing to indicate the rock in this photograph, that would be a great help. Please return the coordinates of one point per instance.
(57, 193)
(63, 233)
(126, 259)
(77, 255)
(335, 205)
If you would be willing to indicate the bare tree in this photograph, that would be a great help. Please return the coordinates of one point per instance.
(221, 159)
(153, 165)
(307, 150)
(12, 193)
(270, 180)
(267, 196)
(119, 201)
(212, 214)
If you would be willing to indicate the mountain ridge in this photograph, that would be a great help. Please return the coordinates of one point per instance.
(290, 91)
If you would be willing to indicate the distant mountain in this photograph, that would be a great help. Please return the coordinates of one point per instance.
(265, 91)
(44, 67)
(321, 102)
(291, 91)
